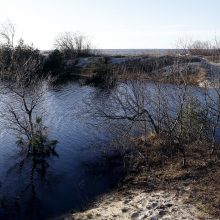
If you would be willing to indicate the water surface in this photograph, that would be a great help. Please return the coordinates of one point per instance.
(69, 185)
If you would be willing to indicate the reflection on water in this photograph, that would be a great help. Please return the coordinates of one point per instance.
(28, 194)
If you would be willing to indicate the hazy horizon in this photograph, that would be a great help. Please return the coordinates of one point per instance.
(115, 24)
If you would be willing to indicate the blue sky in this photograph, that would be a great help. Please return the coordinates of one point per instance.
(114, 23)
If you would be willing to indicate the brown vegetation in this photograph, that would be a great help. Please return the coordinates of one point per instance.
(167, 136)
(159, 168)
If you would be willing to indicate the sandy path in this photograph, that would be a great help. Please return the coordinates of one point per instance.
(143, 206)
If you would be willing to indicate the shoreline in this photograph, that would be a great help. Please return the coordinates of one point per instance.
(142, 205)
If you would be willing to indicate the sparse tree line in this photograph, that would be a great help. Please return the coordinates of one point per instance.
(68, 46)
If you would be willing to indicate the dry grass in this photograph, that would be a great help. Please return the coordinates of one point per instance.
(161, 169)
(215, 58)
(193, 75)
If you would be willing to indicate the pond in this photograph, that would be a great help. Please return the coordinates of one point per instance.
(70, 185)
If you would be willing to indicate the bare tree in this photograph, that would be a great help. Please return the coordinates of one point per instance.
(73, 44)
(7, 33)
(21, 96)
(22, 91)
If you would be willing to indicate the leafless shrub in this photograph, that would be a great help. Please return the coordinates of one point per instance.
(206, 49)
(73, 44)
(7, 33)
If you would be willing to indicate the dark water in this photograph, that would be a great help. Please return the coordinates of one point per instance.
(69, 184)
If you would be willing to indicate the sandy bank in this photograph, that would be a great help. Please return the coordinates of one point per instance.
(140, 205)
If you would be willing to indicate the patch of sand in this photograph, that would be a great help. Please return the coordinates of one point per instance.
(143, 206)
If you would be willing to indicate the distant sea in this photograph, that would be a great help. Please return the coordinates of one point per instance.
(124, 52)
